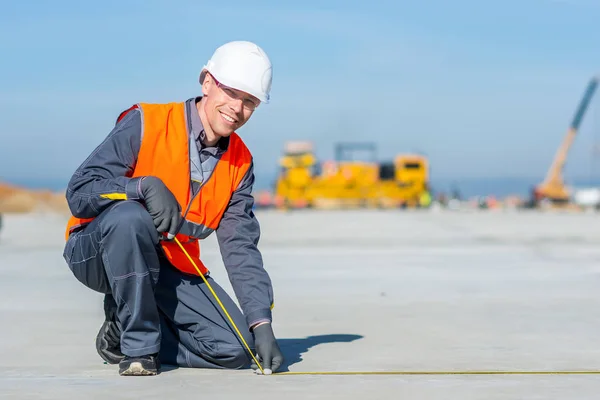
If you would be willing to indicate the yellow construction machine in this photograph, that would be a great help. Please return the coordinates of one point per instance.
(404, 182)
(553, 187)
(298, 169)
(348, 182)
(355, 179)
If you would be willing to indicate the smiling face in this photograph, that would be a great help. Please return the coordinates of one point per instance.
(223, 110)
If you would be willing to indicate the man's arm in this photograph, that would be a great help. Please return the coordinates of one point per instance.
(104, 177)
(238, 235)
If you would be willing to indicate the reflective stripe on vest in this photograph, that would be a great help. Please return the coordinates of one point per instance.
(164, 153)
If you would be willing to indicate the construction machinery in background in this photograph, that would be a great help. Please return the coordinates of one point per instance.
(298, 168)
(354, 179)
(350, 180)
(405, 182)
(553, 189)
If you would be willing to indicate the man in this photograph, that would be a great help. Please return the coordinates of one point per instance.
(177, 170)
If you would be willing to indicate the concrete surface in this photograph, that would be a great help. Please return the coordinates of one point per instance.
(354, 291)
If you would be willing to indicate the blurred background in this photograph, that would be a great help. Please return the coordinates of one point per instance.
(374, 104)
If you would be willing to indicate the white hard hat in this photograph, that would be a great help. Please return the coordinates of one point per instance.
(242, 65)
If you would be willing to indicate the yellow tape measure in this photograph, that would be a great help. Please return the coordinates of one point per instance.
(583, 372)
(593, 372)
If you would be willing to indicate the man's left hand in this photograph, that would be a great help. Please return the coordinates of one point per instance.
(269, 354)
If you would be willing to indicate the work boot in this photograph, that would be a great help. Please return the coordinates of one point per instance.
(108, 340)
(139, 366)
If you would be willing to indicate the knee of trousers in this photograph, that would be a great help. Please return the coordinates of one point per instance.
(238, 355)
(236, 358)
(127, 221)
(232, 355)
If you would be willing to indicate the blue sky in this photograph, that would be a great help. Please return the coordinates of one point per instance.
(485, 89)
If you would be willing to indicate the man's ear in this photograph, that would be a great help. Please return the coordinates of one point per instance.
(206, 84)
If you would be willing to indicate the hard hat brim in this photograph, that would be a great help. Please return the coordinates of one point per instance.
(233, 85)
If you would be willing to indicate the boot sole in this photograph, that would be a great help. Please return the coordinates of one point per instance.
(106, 354)
(111, 357)
(136, 369)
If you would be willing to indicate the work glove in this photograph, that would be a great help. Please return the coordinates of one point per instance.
(268, 353)
(162, 205)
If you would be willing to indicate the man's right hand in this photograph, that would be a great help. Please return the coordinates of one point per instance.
(161, 204)
(268, 352)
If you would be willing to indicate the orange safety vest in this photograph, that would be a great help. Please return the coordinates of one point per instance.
(164, 153)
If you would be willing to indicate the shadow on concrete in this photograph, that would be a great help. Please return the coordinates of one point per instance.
(168, 368)
(293, 349)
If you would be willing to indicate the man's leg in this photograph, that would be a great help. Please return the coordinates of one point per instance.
(195, 331)
(117, 254)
